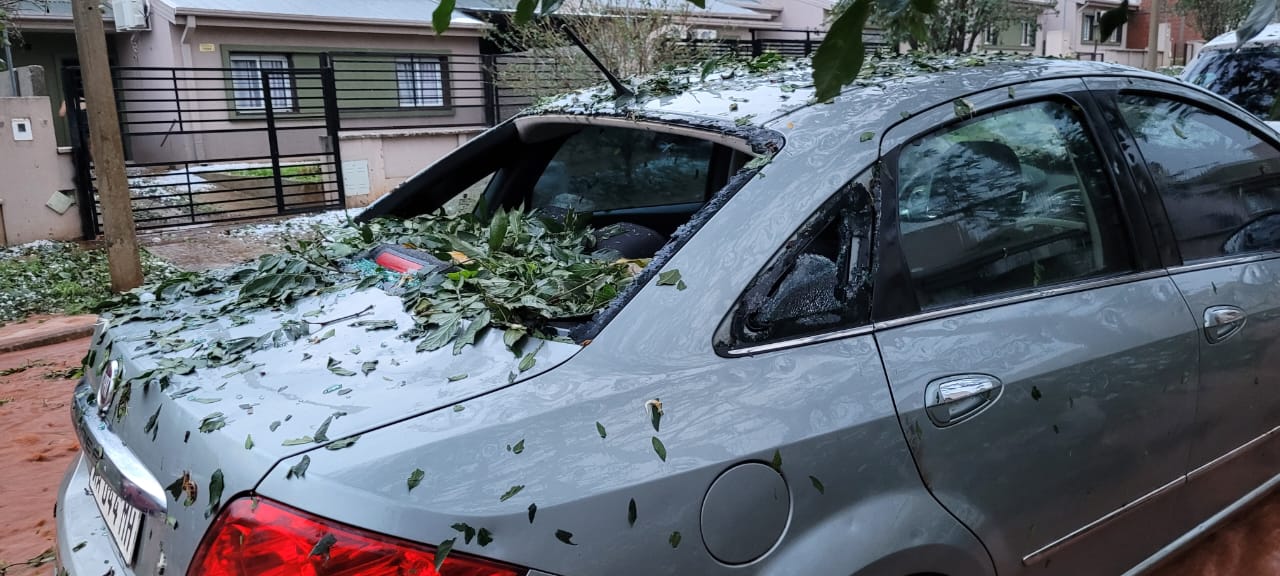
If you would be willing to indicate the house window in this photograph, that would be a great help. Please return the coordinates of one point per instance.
(993, 36)
(246, 82)
(1028, 34)
(420, 81)
(1090, 28)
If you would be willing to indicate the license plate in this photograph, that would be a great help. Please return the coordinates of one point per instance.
(123, 521)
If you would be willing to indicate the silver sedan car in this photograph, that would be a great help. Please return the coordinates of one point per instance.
(1016, 318)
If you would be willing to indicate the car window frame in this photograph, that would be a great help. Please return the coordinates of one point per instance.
(1156, 205)
(727, 341)
(896, 300)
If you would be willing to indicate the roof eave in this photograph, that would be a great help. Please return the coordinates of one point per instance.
(230, 16)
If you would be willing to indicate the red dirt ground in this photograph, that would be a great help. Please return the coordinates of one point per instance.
(37, 444)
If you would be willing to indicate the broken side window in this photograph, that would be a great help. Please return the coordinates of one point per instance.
(818, 283)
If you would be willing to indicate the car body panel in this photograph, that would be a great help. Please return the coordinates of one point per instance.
(807, 403)
(1097, 393)
(1239, 397)
(281, 388)
(826, 409)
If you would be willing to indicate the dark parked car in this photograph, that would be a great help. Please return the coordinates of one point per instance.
(1000, 317)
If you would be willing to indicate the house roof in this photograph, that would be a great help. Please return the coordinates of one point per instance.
(416, 12)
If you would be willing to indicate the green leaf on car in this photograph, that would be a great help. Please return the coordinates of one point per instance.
(631, 512)
(518, 447)
(442, 552)
(368, 367)
(213, 422)
(674, 539)
(343, 443)
(457, 377)
(817, 485)
(511, 492)
(600, 430)
(248, 442)
(527, 362)
(152, 424)
(415, 478)
(671, 278)
(776, 463)
(323, 546)
(565, 536)
(866, 136)
(484, 537)
(299, 470)
(216, 486)
(659, 449)
(533, 511)
(467, 531)
(298, 441)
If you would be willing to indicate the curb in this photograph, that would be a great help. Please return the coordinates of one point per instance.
(38, 339)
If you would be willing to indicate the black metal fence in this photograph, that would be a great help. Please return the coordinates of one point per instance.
(210, 145)
(263, 136)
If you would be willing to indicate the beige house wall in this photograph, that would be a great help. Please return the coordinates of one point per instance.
(208, 42)
(31, 173)
(389, 158)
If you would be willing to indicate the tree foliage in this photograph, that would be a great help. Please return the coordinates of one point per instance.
(955, 25)
(1212, 18)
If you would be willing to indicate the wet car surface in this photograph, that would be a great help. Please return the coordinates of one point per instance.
(1004, 317)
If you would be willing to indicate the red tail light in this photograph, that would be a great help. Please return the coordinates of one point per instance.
(264, 538)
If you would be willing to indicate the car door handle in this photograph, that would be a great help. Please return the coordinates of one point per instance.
(1222, 322)
(955, 398)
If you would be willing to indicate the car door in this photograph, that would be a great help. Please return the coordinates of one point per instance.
(1042, 363)
(1217, 173)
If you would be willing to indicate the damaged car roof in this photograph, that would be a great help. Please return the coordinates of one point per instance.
(734, 93)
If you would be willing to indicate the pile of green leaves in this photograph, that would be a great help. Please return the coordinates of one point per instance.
(59, 278)
(516, 272)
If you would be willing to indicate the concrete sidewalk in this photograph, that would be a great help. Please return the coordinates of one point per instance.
(44, 330)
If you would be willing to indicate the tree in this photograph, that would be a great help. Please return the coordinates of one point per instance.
(1212, 18)
(631, 37)
(840, 57)
(956, 24)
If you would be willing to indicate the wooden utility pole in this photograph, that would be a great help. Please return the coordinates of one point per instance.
(106, 147)
(1153, 37)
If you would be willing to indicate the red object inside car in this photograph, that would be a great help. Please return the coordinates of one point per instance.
(396, 263)
(256, 537)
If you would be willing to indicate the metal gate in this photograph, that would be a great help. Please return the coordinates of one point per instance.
(212, 145)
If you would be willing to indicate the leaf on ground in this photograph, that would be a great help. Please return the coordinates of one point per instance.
(299, 470)
(817, 485)
(659, 449)
(631, 512)
(415, 478)
(565, 536)
(600, 430)
(511, 492)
